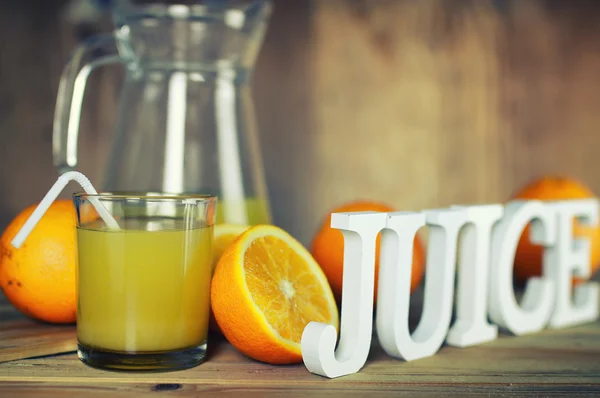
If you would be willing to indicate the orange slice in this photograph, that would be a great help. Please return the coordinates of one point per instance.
(266, 288)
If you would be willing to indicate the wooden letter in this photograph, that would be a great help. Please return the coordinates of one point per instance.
(471, 326)
(538, 300)
(318, 341)
(571, 257)
(395, 269)
(395, 266)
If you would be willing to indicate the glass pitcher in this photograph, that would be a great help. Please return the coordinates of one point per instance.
(186, 122)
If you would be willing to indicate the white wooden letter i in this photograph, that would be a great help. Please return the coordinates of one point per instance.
(471, 326)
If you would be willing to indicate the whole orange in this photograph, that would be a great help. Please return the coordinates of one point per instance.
(39, 278)
(528, 258)
(328, 248)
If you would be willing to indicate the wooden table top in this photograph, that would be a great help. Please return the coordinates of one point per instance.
(552, 362)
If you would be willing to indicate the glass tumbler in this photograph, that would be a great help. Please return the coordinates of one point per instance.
(144, 288)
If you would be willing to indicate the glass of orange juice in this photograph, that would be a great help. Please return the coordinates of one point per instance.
(144, 288)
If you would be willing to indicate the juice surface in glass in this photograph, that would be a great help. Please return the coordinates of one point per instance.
(143, 290)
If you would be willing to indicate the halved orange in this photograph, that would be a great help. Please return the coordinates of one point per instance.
(266, 288)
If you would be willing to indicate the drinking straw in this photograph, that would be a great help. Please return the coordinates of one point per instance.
(52, 194)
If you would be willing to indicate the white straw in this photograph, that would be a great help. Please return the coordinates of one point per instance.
(51, 196)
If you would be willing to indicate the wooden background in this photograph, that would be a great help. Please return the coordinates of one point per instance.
(418, 103)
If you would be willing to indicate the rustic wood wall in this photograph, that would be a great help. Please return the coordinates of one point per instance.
(420, 104)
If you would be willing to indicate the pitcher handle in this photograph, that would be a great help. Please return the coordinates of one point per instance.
(71, 89)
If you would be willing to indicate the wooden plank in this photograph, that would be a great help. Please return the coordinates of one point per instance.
(564, 361)
(35, 346)
(550, 357)
(35, 389)
(22, 337)
(421, 104)
(548, 52)
(429, 103)
(413, 88)
(552, 361)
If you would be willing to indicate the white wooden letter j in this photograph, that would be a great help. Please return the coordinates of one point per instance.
(318, 341)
